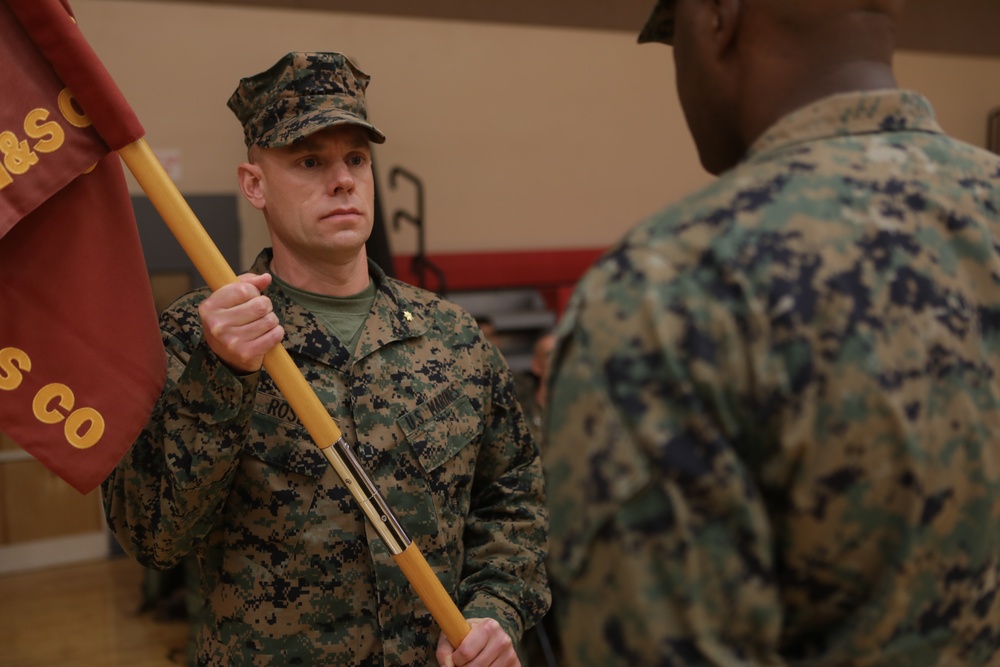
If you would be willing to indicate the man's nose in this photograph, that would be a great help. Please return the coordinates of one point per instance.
(340, 178)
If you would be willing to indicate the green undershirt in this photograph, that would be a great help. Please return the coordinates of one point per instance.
(343, 315)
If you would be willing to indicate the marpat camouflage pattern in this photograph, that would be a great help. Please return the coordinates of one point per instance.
(774, 435)
(300, 94)
(291, 573)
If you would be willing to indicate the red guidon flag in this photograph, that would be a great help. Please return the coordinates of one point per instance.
(81, 362)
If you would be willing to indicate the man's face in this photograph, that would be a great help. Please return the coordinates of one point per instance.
(704, 86)
(318, 195)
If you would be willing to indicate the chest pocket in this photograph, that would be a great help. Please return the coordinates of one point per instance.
(440, 427)
(280, 440)
(271, 504)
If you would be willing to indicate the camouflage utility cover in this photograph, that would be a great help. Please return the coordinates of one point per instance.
(291, 572)
(301, 94)
(775, 410)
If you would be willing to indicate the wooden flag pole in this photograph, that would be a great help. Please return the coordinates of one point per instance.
(212, 266)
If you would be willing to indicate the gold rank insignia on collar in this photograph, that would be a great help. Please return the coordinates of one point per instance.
(408, 315)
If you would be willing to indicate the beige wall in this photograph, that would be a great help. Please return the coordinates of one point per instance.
(963, 89)
(525, 137)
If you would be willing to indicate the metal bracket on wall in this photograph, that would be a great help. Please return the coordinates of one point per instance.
(420, 264)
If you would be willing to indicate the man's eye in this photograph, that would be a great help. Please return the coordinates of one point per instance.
(356, 160)
(310, 162)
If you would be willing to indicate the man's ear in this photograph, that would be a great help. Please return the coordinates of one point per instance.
(251, 180)
(725, 21)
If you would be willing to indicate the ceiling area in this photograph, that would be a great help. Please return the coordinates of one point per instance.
(968, 27)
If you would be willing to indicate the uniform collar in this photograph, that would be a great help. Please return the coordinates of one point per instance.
(848, 114)
(393, 317)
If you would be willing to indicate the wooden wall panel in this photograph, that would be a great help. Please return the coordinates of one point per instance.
(167, 286)
(4, 539)
(38, 505)
(6, 445)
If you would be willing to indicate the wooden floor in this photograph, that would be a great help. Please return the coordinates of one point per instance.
(84, 616)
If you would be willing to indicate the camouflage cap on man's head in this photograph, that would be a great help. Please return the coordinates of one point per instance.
(660, 24)
(301, 94)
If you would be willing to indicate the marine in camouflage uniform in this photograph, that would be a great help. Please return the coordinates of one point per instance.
(775, 407)
(291, 572)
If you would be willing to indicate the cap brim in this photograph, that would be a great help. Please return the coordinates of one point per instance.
(659, 26)
(304, 124)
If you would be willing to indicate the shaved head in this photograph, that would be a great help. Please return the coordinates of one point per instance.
(743, 64)
(819, 10)
(806, 11)
(845, 29)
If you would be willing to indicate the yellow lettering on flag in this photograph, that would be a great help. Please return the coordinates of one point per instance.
(54, 403)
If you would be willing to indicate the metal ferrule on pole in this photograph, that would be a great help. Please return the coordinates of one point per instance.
(367, 495)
